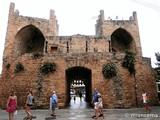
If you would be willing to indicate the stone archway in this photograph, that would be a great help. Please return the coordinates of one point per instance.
(79, 76)
(29, 40)
(121, 40)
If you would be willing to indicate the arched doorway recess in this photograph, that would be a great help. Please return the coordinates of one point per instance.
(80, 78)
(121, 40)
(29, 40)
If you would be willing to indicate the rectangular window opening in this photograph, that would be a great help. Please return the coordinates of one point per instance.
(54, 49)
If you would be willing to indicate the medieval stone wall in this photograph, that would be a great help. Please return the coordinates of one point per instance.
(86, 52)
(116, 91)
(78, 44)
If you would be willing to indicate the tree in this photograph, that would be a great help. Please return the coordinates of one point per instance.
(157, 69)
(158, 59)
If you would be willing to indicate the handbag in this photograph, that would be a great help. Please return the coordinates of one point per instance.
(15, 113)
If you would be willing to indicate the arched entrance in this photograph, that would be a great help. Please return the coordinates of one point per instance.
(79, 80)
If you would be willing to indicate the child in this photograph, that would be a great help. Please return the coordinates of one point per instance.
(100, 106)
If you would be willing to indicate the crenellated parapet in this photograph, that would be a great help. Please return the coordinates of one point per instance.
(103, 25)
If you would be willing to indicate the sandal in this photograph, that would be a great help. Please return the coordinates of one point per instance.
(28, 118)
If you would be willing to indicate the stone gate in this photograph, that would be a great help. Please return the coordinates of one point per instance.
(30, 42)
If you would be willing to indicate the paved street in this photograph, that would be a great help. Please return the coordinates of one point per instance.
(80, 111)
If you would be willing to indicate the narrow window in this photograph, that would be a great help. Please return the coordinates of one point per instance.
(67, 47)
(86, 46)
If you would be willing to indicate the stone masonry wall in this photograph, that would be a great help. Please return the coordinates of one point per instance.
(78, 44)
(116, 92)
(107, 27)
(17, 22)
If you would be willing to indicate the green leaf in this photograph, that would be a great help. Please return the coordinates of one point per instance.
(109, 70)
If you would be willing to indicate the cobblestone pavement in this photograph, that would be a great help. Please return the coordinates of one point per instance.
(80, 111)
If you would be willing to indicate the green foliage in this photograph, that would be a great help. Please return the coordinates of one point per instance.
(129, 62)
(109, 70)
(158, 59)
(157, 73)
(47, 67)
(37, 55)
(19, 68)
(157, 69)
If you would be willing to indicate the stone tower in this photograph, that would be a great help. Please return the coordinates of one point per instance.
(22, 30)
(79, 59)
(120, 32)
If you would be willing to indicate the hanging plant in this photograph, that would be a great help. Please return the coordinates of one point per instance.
(19, 68)
(37, 55)
(47, 67)
(129, 61)
(109, 70)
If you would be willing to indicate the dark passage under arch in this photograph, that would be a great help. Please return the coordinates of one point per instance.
(79, 76)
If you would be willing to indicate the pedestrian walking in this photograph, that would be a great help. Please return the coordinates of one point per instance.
(100, 107)
(54, 101)
(74, 98)
(11, 105)
(145, 99)
(29, 104)
(80, 96)
(95, 101)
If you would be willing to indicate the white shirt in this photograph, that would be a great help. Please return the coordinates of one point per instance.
(144, 97)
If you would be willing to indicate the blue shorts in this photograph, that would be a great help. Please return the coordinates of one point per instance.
(53, 106)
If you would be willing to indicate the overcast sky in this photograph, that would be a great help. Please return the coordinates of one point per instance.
(79, 17)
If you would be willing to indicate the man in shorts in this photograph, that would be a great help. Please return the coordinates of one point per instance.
(54, 101)
(95, 101)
